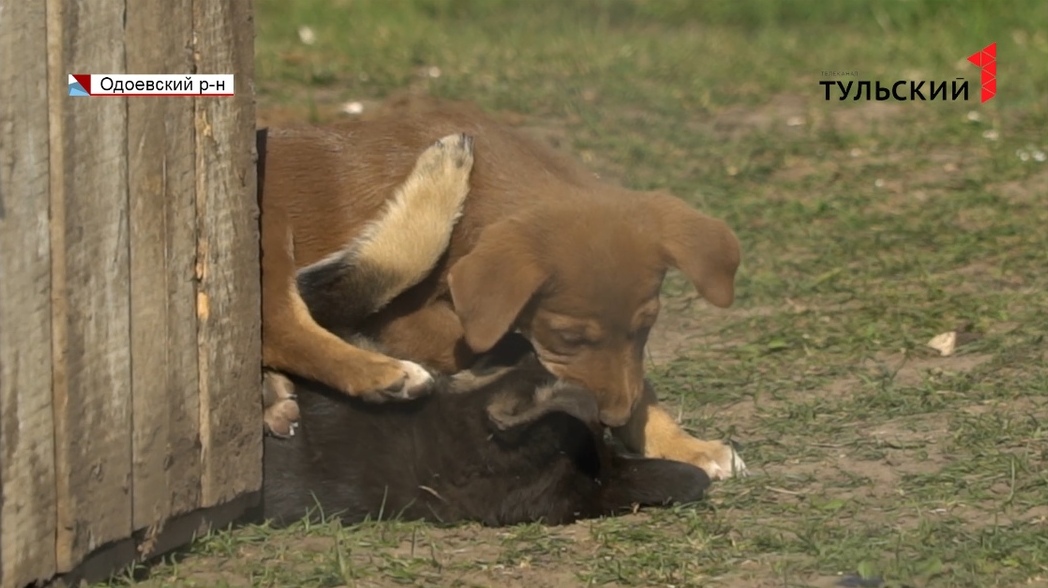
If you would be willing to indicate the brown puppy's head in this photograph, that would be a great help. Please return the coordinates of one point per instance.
(581, 280)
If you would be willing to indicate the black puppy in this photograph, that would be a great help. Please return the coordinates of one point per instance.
(498, 446)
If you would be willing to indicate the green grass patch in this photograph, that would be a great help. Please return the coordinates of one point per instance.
(867, 228)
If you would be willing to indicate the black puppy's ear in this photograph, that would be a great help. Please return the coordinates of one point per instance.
(651, 482)
(509, 409)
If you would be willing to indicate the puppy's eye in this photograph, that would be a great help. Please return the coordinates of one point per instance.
(572, 338)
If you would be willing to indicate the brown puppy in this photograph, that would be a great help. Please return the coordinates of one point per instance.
(543, 248)
(501, 443)
(422, 207)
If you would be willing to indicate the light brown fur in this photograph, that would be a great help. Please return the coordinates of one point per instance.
(393, 247)
(543, 247)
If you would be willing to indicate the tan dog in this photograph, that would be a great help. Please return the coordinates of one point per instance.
(543, 247)
(393, 247)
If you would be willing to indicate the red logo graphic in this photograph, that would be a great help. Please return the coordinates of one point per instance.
(986, 60)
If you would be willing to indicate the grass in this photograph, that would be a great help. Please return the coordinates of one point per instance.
(868, 227)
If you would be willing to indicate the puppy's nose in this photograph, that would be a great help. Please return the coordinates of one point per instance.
(614, 417)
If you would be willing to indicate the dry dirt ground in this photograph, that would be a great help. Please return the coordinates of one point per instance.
(864, 469)
(868, 227)
(874, 458)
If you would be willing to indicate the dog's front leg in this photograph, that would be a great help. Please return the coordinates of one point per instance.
(652, 432)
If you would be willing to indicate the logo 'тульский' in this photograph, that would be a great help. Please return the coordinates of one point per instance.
(987, 62)
(902, 90)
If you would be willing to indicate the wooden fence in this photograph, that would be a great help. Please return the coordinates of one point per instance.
(129, 285)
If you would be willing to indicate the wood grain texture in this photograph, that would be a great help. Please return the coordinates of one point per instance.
(161, 179)
(129, 283)
(27, 475)
(90, 283)
(228, 297)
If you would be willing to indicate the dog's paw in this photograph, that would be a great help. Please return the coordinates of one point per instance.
(281, 414)
(413, 381)
(453, 150)
(719, 460)
(418, 381)
(725, 463)
(442, 172)
(281, 419)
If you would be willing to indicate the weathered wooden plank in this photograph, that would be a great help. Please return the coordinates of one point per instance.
(161, 170)
(228, 299)
(90, 285)
(27, 475)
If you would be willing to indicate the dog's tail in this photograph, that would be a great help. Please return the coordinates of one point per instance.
(400, 247)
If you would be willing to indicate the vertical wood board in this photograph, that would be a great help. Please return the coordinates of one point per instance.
(161, 179)
(27, 474)
(228, 298)
(90, 283)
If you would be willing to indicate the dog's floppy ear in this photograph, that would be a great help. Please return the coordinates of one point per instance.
(510, 408)
(492, 283)
(701, 247)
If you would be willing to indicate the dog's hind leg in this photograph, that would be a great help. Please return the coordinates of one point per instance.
(399, 248)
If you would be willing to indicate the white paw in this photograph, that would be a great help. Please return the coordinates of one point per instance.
(418, 379)
(728, 465)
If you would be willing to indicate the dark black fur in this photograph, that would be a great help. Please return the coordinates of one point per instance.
(341, 291)
(444, 458)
